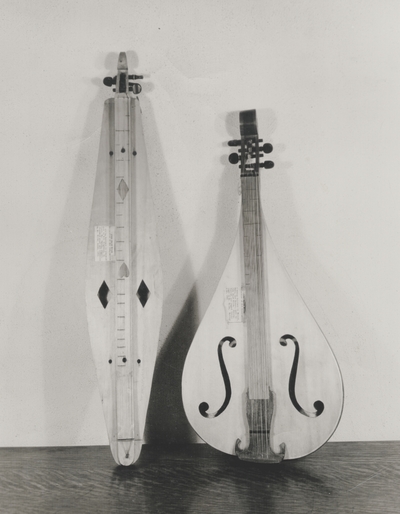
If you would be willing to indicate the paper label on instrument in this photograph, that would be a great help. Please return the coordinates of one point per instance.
(104, 243)
(234, 304)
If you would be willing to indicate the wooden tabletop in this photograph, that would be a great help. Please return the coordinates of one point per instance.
(340, 478)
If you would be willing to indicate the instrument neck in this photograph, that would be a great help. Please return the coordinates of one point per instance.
(256, 298)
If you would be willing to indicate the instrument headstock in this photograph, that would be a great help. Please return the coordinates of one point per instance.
(122, 80)
(250, 150)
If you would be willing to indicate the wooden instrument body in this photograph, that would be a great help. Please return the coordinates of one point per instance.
(318, 375)
(303, 375)
(124, 282)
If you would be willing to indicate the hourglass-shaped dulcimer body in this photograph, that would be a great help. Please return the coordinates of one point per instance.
(260, 379)
(124, 282)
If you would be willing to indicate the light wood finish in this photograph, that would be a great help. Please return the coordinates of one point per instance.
(123, 254)
(285, 385)
(345, 478)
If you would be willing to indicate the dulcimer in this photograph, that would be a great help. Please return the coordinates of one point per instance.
(124, 282)
(260, 380)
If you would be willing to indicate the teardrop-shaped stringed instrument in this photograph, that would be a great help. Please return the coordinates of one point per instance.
(260, 380)
(124, 283)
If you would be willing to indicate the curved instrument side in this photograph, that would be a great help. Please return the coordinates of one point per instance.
(202, 380)
(305, 377)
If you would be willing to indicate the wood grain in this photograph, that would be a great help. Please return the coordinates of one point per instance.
(339, 478)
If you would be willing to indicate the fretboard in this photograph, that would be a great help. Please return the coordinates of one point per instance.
(256, 318)
(123, 269)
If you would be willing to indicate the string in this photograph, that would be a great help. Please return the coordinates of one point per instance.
(263, 342)
(258, 340)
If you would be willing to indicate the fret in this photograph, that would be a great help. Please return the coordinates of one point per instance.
(124, 385)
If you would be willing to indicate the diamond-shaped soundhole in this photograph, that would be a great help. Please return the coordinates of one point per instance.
(123, 271)
(103, 293)
(122, 189)
(143, 293)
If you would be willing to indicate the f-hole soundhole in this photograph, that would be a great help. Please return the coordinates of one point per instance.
(318, 405)
(203, 407)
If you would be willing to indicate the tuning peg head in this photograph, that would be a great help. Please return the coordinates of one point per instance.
(234, 158)
(267, 148)
(110, 81)
(267, 164)
(135, 88)
(234, 142)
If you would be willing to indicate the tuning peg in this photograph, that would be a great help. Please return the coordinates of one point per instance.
(109, 81)
(267, 148)
(234, 142)
(267, 164)
(135, 77)
(233, 158)
(135, 88)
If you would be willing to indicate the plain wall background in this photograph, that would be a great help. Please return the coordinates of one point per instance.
(325, 80)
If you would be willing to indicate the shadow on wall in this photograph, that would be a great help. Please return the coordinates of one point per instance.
(166, 419)
(69, 374)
